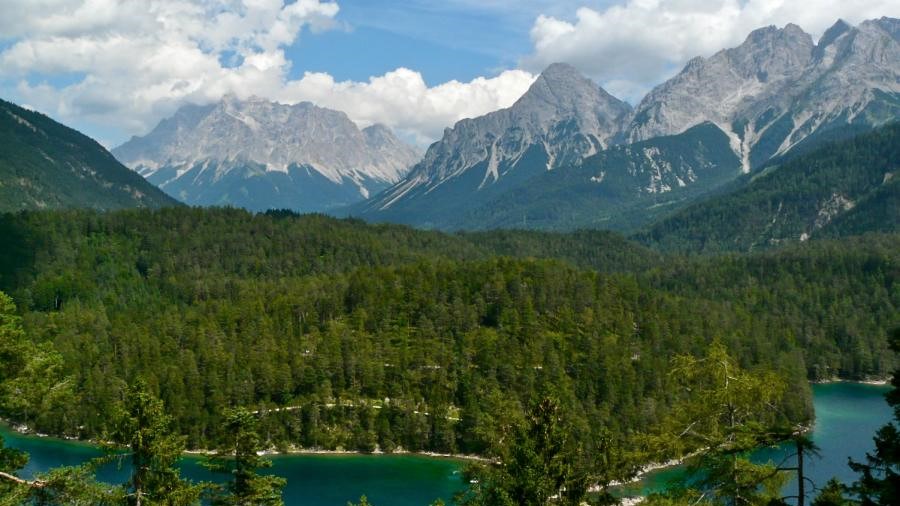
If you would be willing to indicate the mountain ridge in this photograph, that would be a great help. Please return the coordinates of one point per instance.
(45, 164)
(775, 92)
(253, 152)
(561, 119)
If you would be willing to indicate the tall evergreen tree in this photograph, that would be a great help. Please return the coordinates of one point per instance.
(832, 494)
(146, 430)
(242, 461)
(539, 463)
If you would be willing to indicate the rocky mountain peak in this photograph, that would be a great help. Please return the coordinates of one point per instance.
(778, 88)
(561, 88)
(563, 118)
(839, 28)
(239, 139)
(772, 52)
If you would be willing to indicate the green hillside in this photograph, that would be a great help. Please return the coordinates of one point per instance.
(842, 188)
(46, 165)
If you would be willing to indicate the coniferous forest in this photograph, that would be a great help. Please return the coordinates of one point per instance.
(354, 336)
(453, 230)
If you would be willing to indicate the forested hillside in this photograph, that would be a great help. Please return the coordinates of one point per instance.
(46, 165)
(388, 336)
(841, 188)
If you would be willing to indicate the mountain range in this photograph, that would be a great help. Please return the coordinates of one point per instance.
(569, 155)
(47, 165)
(260, 155)
(565, 155)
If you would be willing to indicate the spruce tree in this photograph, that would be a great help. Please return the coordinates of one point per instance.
(242, 461)
(154, 450)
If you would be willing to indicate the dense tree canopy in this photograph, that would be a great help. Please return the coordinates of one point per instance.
(347, 335)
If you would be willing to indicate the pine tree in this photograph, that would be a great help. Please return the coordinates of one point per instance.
(241, 460)
(538, 463)
(832, 494)
(154, 450)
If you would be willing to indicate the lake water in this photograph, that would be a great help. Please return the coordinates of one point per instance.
(313, 480)
(848, 415)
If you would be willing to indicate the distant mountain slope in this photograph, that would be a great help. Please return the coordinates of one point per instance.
(262, 155)
(778, 90)
(843, 188)
(621, 188)
(555, 159)
(45, 165)
(561, 119)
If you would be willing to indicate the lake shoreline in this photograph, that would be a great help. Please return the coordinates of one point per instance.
(26, 431)
(633, 500)
(874, 382)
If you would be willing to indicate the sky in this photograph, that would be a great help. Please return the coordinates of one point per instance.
(115, 68)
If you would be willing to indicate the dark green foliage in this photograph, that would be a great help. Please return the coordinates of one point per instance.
(599, 250)
(45, 165)
(21, 380)
(842, 188)
(880, 210)
(241, 460)
(537, 462)
(387, 337)
(879, 481)
(32, 387)
(832, 494)
(74, 486)
(146, 430)
(835, 300)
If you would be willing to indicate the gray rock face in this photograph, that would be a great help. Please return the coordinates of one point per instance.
(232, 135)
(778, 88)
(564, 116)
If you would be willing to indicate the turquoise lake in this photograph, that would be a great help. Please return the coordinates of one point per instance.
(313, 480)
(848, 415)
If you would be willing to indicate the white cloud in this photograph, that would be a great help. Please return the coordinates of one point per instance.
(403, 101)
(135, 62)
(117, 67)
(635, 45)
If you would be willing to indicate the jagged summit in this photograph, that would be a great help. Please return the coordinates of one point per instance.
(562, 87)
(238, 139)
(561, 90)
(775, 91)
(561, 119)
(839, 28)
(778, 88)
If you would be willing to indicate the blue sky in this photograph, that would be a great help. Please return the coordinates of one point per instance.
(114, 68)
(444, 40)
